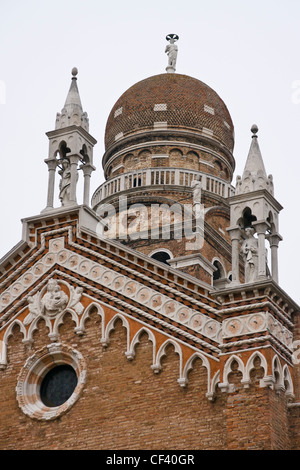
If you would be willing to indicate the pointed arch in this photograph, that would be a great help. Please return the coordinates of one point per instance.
(277, 373)
(34, 326)
(162, 352)
(130, 353)
(80, 329)
(250, 366)
(3, 344)
(59, 320)
(111, 326)
(213, 385)
(287, 380)
(9, 331)
(183, 380)
(225, 385)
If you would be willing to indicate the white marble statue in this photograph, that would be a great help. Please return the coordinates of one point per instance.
(55, 300)
(65, 182)
(196, 188)
(172, 51)
(250, 252)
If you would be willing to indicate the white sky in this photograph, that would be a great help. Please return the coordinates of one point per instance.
(248, 52)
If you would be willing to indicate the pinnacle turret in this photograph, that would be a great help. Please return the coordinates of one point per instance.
(254, 175)
(72, 112)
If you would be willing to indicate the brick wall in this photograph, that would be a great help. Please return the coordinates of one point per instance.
(124, 405)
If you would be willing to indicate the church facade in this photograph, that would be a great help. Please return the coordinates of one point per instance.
(150, 316)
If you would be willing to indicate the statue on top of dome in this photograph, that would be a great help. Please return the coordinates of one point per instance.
(172, 51)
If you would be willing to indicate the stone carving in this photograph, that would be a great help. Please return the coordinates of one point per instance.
(54, 301)
(250, 251)
(196, 188)
(65, 182)
(75, 297)
(172, 51)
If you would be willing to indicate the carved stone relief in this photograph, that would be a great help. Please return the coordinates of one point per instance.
(52, 300)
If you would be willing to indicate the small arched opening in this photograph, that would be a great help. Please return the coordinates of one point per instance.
(162, 256)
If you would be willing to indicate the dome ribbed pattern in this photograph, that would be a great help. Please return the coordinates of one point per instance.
(179, 100)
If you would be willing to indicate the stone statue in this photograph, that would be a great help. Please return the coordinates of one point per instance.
(172, 51)
(250, 251)
(196, 188)
(65, 182)
(55, 300)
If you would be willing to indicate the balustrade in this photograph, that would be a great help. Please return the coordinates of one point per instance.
(160, 177)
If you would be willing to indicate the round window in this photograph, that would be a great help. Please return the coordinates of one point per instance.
(51, 381)
(58, 385)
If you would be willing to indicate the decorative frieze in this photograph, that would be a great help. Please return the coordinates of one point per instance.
(257, 323)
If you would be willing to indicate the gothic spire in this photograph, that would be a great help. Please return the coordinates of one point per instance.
(254, 175)
(72, 112)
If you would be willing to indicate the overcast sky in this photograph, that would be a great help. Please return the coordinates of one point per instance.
(248, 52)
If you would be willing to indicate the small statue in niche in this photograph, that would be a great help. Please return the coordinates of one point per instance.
(65, 182)
(196, 188)
(55, 300)
(250, 251)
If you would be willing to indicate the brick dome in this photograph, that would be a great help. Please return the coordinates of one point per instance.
(180, 101)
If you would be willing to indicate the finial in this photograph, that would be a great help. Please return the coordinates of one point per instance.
(172, 51)
(74, 72)
(254, 130)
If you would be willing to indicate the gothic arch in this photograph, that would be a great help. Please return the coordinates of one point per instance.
(227, 370)
(111, 326)
(80, 329)
(277, 373)
(59, 320)
(247, 218)
(130, 353)
(34, 326)
(213, 386)
(162, 352)
(9, 331)
(288, 382)
(183, 380)
(3, 344)
(84, 153)
(250, 366)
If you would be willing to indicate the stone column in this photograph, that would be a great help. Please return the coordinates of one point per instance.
(274, 240)
(235, 235)
(52, 164)
(87, 171)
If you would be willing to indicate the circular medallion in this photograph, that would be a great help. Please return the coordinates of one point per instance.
(143, 295)
(211, 328)
(51, 381)
(183, 314)
(256, 322)
(170, 308)
(156, 301)
(234, 327)
(196, 321)
(95, 271)
(119, 283)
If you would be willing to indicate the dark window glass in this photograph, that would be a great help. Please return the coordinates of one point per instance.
(161, 256)
(58, 385)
